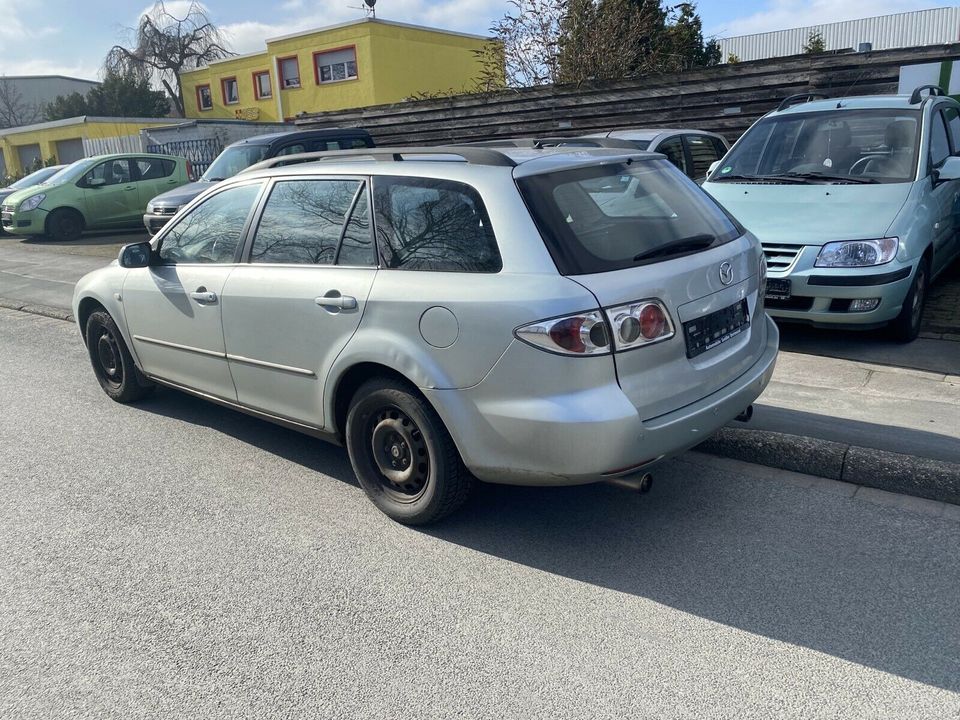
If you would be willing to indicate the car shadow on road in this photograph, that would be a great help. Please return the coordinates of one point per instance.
(314, 454)
(767, 558)
(786, 563)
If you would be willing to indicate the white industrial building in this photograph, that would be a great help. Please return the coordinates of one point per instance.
(910, 29)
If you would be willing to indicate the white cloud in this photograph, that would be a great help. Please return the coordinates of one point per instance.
(12, 27)
(472, 16)
(80, 70)
(785, 14)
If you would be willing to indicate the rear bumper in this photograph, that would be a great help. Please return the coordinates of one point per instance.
(584, 435)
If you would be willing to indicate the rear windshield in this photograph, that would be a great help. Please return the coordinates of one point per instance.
(610, 217)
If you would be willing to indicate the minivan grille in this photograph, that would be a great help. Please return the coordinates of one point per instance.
(780, 256)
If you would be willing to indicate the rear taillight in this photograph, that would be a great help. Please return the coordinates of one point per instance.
(641, 323)
(581, 334)
(190, 170)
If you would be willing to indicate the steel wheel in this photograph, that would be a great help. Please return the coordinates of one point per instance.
(108, 365)
(112, 363)
(400, 453)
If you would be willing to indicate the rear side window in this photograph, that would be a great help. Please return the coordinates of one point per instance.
(304, 220)
(673, 149)
(429, 224)
(154, 168)
(610, 217)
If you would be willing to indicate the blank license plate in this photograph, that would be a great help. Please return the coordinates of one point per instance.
(706, 332)
(778, 289)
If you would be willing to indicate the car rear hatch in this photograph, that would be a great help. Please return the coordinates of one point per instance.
(641, 231)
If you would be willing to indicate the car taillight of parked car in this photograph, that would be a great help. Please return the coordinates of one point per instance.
(589, 333)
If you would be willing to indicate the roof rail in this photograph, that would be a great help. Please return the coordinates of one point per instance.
(935, 91)
(799, 98)
(545, 142)
(474, 156)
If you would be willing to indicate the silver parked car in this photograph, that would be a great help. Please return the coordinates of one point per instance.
(539, 317)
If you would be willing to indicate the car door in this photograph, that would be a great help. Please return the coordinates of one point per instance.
(110, 194)
(952, 116)
(701, 152)
(291, 309)
(154, 176)
(173, 307)
(672, 147)
(944, 195)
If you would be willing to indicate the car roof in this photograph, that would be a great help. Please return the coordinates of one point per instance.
(649, 133)
(521, 161)
(121, 156)
(269, 138)
(864, 102)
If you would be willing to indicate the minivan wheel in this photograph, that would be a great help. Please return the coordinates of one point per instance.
(112, 363)
(402, 454)
(63, 225)
(906, 326)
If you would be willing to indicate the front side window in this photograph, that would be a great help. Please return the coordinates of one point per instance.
(336, 65)
(111, 172)
(211, 231)
(304, 220)
(261, 85)
(204, 97)
(610, 217)
(234, 159)
(845, 146)
(939, 144)
(429, 224)
(703, 153)
(231, 93)
(290, 72)
(673, 149)
(292, 149)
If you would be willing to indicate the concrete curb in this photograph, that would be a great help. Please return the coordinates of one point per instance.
(45, 310)
(894, 472)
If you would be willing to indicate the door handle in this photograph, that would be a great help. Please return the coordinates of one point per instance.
(202, 295)
(343, 302)
(128, 188)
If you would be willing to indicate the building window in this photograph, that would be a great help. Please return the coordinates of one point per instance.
(335, 65)
(261, 85)
(231, 93)
(204, 97)
(289, 72)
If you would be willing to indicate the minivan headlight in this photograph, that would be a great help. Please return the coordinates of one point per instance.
(31, 202)
(858, 253)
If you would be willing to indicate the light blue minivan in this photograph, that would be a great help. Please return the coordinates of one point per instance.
(856, 202)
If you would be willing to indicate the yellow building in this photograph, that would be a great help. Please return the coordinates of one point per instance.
(68, 140)
(355, 64)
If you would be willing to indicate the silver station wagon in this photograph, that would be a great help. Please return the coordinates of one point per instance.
(541, 317)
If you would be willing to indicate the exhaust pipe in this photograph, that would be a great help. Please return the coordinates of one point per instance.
(745, 415)
(637, 483)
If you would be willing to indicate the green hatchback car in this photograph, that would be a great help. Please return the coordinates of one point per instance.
(96, 193)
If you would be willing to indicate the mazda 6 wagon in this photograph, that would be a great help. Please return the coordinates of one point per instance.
(541, 317)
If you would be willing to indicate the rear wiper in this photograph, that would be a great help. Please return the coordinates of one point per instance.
(687, 244)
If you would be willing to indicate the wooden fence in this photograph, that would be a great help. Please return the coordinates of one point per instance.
(725, 99)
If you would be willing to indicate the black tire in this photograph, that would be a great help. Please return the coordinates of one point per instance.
(63, 225)
(906, 326)
(402, 454)
(112, 363)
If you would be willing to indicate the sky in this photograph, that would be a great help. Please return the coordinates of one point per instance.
(67, 37)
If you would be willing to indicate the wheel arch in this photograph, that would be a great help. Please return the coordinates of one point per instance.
(349, 381)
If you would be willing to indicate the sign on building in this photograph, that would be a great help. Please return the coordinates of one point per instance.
(937, 73)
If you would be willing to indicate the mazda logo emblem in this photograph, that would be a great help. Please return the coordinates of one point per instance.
(726, 273)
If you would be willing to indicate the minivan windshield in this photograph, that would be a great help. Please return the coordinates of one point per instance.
(842, 146)
(619, 215)
(234, 159)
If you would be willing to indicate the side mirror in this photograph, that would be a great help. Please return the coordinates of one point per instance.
(95, 182)
(950, 170)
(135, 255)
(713, 166)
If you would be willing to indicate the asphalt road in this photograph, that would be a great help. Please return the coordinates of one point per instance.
(175, 559)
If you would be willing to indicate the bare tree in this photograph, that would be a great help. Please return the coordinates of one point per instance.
(530, 38)
(165, 45)
(14, 111)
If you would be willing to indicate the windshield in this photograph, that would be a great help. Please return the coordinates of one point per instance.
(35, 178)
(849, 146)
(233, 160)
(69, 172)
(609, 217)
